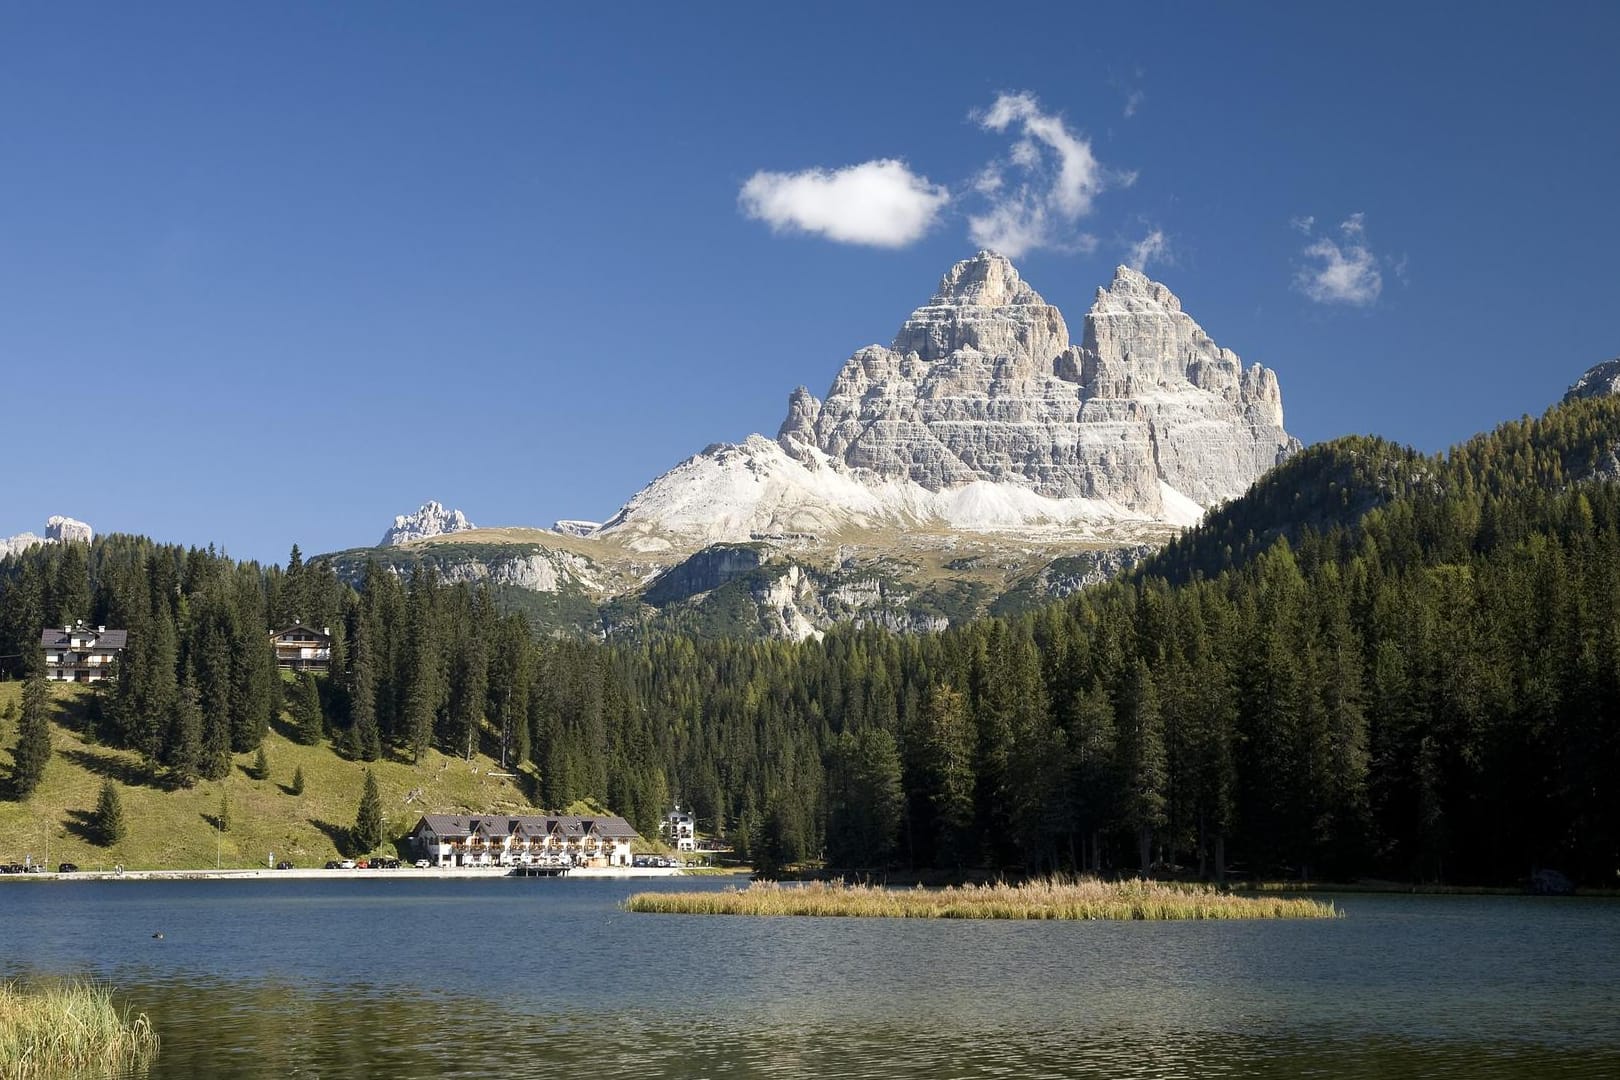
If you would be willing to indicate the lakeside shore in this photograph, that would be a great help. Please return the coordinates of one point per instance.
(465, 873)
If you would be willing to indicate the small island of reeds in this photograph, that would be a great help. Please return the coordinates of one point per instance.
(1052, 898)
(70, 1030)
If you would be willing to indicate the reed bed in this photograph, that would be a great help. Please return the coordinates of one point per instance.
(1052, 898)
(70, 1030)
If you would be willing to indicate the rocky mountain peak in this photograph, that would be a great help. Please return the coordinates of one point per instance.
(1132, 286)
(1600, 380)
(431, 520)
(985, 280)
(68, 530)
(983, 415)
(58, 530)
(983, 305)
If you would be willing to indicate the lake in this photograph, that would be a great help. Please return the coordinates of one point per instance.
(444, 978)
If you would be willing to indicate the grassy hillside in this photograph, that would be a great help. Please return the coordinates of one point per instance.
(175, 829)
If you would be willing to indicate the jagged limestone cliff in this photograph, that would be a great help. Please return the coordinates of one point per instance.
(983, 461)
(983, 414)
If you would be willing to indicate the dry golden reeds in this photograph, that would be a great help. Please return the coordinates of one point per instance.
(1046, 898)
(70, 1030)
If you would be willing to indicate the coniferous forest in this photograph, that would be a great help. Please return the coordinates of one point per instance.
(1377, 663)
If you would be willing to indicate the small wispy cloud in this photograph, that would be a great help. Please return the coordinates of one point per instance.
(1043, 187)
(1133, 101)
(1033, 196)
(1154, 247)
(1343, 270)
(879, 203)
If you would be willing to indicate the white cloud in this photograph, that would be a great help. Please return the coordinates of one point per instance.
(1154, 247)
(881, 203)
(1133, 101)
(1060, 179)
(1345, 270)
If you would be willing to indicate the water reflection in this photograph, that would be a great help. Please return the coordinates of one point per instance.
(402, 979)
(263, 1031)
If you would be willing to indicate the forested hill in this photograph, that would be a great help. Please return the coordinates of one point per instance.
(1419, 681)
(1331, 486)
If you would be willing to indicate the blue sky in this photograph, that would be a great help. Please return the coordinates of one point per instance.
(278, 273)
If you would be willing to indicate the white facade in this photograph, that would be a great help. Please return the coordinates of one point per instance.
(81, 653)
(680, 829)
(553, 840)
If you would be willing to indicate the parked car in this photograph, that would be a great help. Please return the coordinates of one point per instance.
(385, 862)
(348, 864)
(334, 864)
(422, 864)
(360, 864)
(284, 865)
(67, 868)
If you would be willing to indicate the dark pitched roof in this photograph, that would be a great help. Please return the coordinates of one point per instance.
(446, 824)
(609, 827)
(295, 627)
(54, 637)
(614, 828)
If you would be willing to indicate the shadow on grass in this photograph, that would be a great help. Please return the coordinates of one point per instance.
(110, 766)
(338, 834)
(82, 823)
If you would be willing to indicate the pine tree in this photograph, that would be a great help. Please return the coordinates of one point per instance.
(309, 722)
(1141, 741)
(186, 749)
(108, 819)
(943, 767)
(70, 587)
(420, 665)
(33, 750)
(864, 800)
(261, 764)
(366, 735)
(298, 781)
(223, 819)
(368, 822)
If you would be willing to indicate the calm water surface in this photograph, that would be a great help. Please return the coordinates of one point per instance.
(436, 978)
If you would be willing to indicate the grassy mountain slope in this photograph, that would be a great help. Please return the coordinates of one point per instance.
(174, 828)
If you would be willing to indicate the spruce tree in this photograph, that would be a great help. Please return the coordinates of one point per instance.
(186, 749)
(298, 781)
(108, 819)
(945, 776)
(261, 764)
(368, 822)
(420, 665)
(224, 817)
(366, 735)
(33, 751)
(309, 723)
(864, 800)
(1141, 743)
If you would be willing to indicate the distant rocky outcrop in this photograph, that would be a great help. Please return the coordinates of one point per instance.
(431, 520)
(1600, 380)
(58, 529)
(983, 414)
(68, 530)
